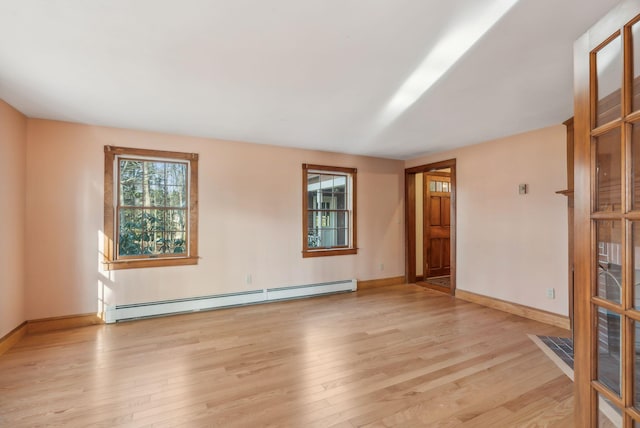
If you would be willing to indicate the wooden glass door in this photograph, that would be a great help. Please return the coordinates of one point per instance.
(607, 229)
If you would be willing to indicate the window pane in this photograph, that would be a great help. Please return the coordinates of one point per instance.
(152, 232)
(320, 219)
(342, 219)
(609, 349)
(326, 182)
(130, 183)
(341, 201)
(153, 184)
(328, 228)
(315, 219)
(150, 223)
(312, 200)
(130, 236)
(176, 220)
(176, 196)
(609, 81)
(157, 196)
(328, 237)
(608, 170)
(313, 238)
(327, 201)
(174, 243)
(330, 219)
(609, 269)
(340, 184)
(342, 237)
(155, 173)
(176, 174)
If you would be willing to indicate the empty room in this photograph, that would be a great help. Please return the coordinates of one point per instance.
(319, 213)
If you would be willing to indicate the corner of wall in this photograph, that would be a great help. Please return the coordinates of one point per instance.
(13, 129)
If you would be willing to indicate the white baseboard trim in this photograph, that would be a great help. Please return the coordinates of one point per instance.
(195, 304)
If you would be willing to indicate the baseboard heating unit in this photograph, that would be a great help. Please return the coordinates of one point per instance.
(203, 303)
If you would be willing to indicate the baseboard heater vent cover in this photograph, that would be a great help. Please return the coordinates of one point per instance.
(195, 304)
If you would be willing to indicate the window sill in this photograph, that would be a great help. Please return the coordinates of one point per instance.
(147, 263)
(329, 252)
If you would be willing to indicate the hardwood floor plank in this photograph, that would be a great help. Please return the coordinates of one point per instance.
(393, 356)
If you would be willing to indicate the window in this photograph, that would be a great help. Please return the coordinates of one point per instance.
(328, 211)
(150, 208)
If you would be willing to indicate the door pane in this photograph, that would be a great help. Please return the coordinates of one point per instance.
(609, 416)
(635, 257)
(609, 82)
(609, 349)
(636, 365)
(609, 253)
(635, 32)
(635, 165)
(608, 172)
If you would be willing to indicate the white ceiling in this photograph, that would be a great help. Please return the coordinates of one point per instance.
(314, 74)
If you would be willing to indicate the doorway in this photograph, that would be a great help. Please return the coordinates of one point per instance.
(430, 225)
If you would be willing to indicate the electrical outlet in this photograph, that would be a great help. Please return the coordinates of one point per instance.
(381, 266)
(551, 293)
(248, 278)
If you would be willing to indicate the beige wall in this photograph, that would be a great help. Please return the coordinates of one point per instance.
(13, 127)
(250, 220)
(510, 246)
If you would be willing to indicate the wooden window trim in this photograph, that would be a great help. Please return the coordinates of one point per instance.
(334, 251)
(111, 261)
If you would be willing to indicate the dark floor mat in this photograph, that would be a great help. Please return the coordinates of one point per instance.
(561, 346)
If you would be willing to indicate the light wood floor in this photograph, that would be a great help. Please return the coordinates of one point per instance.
(392, 356)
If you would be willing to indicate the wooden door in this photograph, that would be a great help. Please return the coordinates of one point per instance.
(607, 220)
(437, 224)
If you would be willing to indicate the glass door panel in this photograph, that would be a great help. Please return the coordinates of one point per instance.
(635, 85)
(635, 260)
(635, 166)
(609, 256)
(609, 416)
(609, 81)
(636, 365)
(608, 171)
(609, 346)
